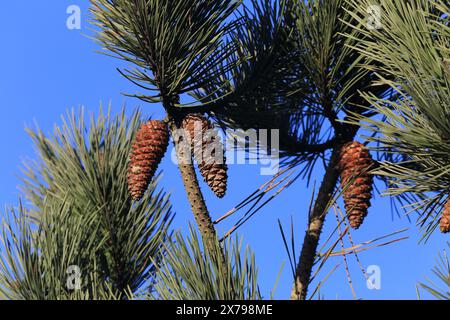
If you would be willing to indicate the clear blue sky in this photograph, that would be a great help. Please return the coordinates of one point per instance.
(47, 68)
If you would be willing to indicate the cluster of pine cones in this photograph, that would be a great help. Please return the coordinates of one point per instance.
(152, 140)
(150, 145)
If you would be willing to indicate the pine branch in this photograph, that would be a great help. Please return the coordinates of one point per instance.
(188, 273)
(190, 181)
(410, 52)
(440, 289)
(171, 43)
(85, 163)
(37, 256)
(316, 221)
(192, 187)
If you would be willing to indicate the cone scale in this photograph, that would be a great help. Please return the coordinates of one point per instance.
(206, 145)
(148, 149)
(354, 164)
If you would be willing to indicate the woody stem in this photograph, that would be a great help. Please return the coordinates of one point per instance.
(315, 225)
(193, 190)
(191, 184)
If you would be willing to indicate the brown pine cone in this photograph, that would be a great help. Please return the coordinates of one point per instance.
(354, 163)
(148, 149)
(445, 220)
(205, 144)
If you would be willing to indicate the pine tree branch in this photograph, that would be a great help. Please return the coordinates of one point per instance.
(190, 181)
(192, 187)
(315, 225)
(202, 273)
(85, 164)
(194, 193)
(318, 215)
(120, 282)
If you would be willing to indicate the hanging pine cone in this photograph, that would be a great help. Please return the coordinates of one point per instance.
(355, 160)
(445, 220)
(148, 149)
(206, 145)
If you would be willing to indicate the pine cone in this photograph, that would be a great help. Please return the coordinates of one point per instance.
(354, 163)
(205, 144)
(148, 149)
(445, 220)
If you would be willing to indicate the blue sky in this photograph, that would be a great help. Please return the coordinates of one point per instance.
(47, 68)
